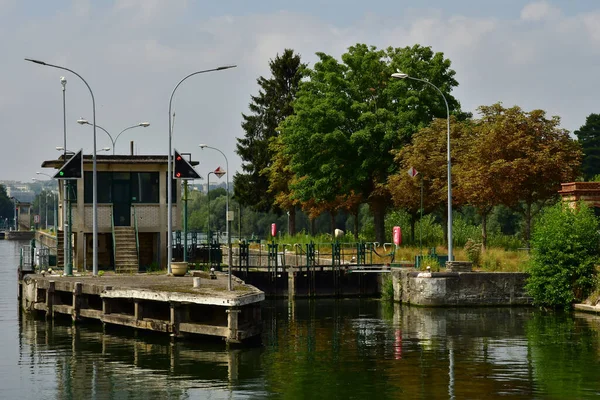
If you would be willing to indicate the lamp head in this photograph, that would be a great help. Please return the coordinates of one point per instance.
(37, 172)
(399, 75)
(63, 81)
(59, 148)
(144, 124)
(202, 145)
(105, 149)
(82, 121)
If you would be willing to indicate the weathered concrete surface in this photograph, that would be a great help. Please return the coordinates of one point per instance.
(19, 235)
(154, 302)
(441, 289)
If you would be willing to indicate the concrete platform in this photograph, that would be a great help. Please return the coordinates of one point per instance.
(146, 301)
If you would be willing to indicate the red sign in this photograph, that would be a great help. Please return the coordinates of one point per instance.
(273, 230)
(219, 172)
(412, 172)
(397, 235)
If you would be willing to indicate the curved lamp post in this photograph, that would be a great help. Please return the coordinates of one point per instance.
(83, 121)
(169, 167)
(227, 222)
(400, 75)
(94, 169)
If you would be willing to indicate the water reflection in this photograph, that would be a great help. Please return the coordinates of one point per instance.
(350, 349)
(91, 363)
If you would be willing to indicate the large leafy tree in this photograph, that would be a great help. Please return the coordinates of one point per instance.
(589, 138)
(427, 153)
(349, 116)
(517, 159)
(267, 109)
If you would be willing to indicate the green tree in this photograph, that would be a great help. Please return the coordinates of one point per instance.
(589, 138)
(349, 116)
(6, 204)
(565, 249)
(427, 153)
(267, 109)
(517, 159)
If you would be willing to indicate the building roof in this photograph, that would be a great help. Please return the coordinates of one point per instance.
(116, 159)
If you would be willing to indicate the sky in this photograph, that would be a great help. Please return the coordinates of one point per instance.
(132, 53)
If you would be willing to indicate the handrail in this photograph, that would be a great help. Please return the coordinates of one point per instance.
(137, 239)
(114, 240)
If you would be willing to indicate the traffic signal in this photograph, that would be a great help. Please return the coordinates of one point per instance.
(183, 169)
(72, 169)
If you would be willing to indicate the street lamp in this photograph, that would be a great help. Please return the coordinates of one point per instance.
(169, 166)
(60, 148)
(229, 258)
(94, 169)
(15, 201)
(82, 121)
(400, 75)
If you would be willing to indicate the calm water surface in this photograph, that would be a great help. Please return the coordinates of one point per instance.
(325, 349)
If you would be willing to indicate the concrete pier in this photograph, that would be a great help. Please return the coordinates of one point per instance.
(153, 302)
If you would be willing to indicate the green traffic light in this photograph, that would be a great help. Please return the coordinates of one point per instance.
(61, 173)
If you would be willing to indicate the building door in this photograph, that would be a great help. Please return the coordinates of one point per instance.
(121, 196)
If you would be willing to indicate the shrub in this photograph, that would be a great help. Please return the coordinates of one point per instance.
(387, 290)
(565, 249)
(473, 250)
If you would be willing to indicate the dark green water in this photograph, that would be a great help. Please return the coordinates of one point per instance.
(325, 349)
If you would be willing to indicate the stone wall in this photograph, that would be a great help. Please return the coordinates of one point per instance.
(460, 288)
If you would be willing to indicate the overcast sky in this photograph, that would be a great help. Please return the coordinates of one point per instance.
(540, 54)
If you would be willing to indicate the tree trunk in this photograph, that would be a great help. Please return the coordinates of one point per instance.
(527, 233)
(332, 215)
(292, 219)
(484, 216)
(312, 226)
(355, 213)
(378, 210)
(413, 223)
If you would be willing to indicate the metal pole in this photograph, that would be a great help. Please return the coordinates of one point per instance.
(55, 214)
(15, 216)
(400, 75)
(63, 81)
(94, 172)
(69, 268)
(169, 170)
(421, 221)
(208, 234)
(185, 219)
(46, 201)
(227, 222)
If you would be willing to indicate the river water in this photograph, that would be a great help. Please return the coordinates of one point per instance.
(324, 349)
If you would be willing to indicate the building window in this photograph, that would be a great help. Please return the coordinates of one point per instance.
(144, 187)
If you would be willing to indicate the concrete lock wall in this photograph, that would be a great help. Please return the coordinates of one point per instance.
(460, 288)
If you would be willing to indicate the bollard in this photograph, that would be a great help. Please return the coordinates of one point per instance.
(197, 282)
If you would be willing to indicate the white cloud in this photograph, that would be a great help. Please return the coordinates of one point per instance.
(540, 11)
(133, 54)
